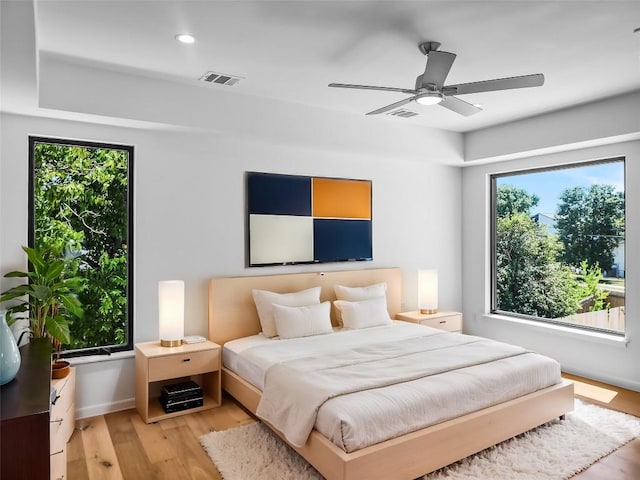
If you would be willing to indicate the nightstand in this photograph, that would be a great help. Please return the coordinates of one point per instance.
(157, 366)
(449, 321)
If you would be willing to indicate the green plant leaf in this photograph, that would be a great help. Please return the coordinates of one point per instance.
(54, 270)
(74, 283)
(10, 318)
(15, 292)
(34, 277)
(58, 328)
(41, 292)
(35, 257)
(16, 274)
(22, 307)
(72, 304)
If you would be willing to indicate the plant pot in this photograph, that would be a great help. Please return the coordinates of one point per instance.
(60, 369)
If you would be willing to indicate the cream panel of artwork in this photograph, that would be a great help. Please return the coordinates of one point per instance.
(274, 237)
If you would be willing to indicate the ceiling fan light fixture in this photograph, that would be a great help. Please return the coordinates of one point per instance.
(430, 98)
(185, 38)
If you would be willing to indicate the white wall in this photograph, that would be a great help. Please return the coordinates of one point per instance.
(189, 216)
(607, 121)
(614, 362)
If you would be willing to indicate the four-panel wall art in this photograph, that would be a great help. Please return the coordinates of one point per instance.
(300, 219)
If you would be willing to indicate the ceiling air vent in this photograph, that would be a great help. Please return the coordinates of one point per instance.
(220, 78)
(403, 113)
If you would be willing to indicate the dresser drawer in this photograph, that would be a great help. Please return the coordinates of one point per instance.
(183, 364)
(64, 394)
(58, 465)
(451, 323)
(62, 413)
(60, 429)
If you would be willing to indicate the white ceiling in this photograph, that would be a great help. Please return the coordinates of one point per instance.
(291, 50)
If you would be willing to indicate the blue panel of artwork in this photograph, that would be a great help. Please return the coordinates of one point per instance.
(340, 240)
(278, 194)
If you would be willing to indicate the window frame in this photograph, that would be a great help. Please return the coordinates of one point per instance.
(33, 140)
(493, 240)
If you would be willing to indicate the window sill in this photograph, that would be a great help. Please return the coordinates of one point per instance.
(101, 358)
(577, 334)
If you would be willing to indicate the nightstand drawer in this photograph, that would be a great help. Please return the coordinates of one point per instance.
(452, 323)
(183, 364)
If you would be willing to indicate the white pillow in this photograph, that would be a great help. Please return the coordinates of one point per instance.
(264, 301)
(365, 313)
(293, 322)
(355, 294)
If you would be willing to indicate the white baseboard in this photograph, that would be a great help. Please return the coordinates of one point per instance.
(94, 410)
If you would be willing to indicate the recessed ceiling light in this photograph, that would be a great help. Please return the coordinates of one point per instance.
(185, 38)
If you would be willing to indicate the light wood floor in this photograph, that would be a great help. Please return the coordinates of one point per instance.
(120, 446)
(624, 463)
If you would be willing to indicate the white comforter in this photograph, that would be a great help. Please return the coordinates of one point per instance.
(359, 389)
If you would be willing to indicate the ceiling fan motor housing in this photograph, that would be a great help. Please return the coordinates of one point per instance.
(427, 47)
(428, 87)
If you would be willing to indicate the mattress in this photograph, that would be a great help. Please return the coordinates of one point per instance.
(363, 418)
(242, 357)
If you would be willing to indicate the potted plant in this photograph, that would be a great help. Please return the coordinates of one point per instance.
(49, 299)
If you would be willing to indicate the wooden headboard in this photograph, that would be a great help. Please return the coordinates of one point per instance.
(232, 312)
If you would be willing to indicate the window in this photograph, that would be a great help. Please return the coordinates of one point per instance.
(81, 207)
(558, 245)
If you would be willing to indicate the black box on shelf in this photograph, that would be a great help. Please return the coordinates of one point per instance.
(188, 389)
(177, 406)
(181, 396)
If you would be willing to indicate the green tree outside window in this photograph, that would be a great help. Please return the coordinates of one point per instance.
(80, 207)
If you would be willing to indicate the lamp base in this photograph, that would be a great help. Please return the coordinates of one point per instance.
(171, 343)
(428, 311)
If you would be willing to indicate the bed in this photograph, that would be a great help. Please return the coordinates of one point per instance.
(232, 315)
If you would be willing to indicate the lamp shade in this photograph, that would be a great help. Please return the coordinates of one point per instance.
(171, 312)
(428, 291)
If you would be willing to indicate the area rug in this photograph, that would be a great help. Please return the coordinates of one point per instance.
(555, 451)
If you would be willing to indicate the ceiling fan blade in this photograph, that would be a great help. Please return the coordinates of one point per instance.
(459, 106)
(370, 87)
(524, 81)
(393, 105)
(437, 69)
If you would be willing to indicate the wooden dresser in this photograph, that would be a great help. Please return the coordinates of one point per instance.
(37, 418)
(24, 413)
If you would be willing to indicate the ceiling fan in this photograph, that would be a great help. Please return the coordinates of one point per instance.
(430, 88)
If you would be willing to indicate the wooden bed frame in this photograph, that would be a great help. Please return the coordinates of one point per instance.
(232, 314)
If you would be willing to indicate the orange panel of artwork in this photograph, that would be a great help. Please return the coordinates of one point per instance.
(337, 198)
